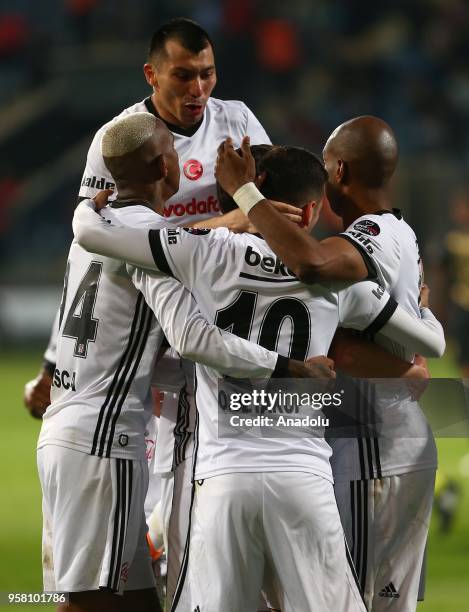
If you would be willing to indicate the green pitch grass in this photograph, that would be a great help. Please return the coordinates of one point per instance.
(20, 507)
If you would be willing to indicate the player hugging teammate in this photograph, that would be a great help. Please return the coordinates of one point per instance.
(255, 515)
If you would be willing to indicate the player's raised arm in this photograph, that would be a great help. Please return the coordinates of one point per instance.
(368, 307)
(310, 260)
(194, 338)
(364, 359)
(96, 235)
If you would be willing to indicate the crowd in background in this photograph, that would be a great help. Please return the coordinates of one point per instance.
(304, 66)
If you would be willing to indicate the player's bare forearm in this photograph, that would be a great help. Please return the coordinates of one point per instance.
(235, 220)
(363, 359)
(310, 260)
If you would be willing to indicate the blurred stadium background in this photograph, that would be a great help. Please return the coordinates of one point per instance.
(304, 66)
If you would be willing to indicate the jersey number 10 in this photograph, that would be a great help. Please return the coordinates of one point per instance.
(238, 317)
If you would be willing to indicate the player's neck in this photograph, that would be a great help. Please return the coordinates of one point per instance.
(144, 194)
(365, 202)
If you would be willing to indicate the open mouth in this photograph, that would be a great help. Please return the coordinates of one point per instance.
(194, 108)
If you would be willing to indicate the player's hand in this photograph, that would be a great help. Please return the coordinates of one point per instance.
(158, 399)
(37, 394)
(418, 378)
(315, 367)
(425, 296)
(320, 367)
(101, 198)
(237, 222)
(292, 213)
(233, 170)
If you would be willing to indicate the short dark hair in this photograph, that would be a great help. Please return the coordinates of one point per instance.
(187, 32)
(293, 175)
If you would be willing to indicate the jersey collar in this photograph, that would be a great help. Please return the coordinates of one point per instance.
(130, 202)
(177, 129)
(395, 211)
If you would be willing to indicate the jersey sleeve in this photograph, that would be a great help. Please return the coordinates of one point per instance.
(184, 252)
(96, 235)
(254, 129)
(189, 333)
(378, 247)
(366, 306)
(96, 176)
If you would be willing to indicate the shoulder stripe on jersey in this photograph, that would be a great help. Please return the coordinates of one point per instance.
(381, 319)
(369, 263)
(266, 279)
(158, 253)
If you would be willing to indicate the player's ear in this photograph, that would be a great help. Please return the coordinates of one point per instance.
(341, 173)
(306, 214)
(162, 167)
(150, 75)
(260, 178)
(310, 213)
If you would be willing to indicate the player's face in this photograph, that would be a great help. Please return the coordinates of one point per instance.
(183, 82)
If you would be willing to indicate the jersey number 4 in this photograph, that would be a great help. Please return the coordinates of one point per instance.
(80, 323)
(238, 317)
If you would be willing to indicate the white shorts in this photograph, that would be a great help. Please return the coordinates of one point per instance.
(386, 524)
(283, 527)
(176, 494)
(153, 495)
(94, 530)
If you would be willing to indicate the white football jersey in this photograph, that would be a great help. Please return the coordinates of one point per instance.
(195, 200)
(390, 246)
(197, 196)
(108, 342)
(241, 286)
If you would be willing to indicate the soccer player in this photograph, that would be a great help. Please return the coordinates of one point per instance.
(372, 476)
(182, 73)
(91, 450)
(260, 500)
